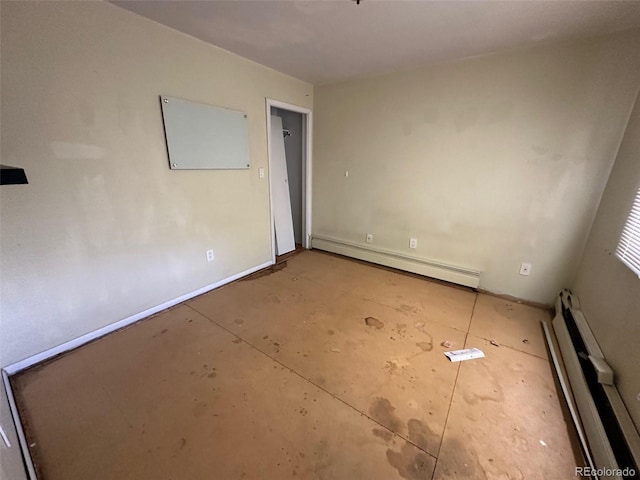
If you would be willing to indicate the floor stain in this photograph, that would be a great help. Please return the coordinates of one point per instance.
(238, 321)
(237, 340)
(391, 367)
(331, 332)
(200, 409)
(463, 464)
(384, 434)
(408, 308)
(425, 346)
(382, 411)
(504, 309)
(420, 327)
(519, 443)
(421, 435)
(489, 390)
(373, 322)
(265, 272)
(396, 365)
(321, 460)
(411, 463)
(209, 373)
(164, 330)
(401, 329)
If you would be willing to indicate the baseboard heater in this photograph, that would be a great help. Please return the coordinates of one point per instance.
(430, 268)
(609, 438)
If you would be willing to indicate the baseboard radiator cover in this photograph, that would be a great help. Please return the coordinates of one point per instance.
(429, 268)
(608, 435)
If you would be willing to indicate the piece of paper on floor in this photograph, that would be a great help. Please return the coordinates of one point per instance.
(466, 354)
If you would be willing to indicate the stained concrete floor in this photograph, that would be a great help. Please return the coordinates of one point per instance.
(328, 369)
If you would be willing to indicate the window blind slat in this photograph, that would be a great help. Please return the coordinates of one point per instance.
(628, 249)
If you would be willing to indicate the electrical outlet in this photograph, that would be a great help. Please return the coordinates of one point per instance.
(346, 173)
(210, 256)
(413, 243)
(525, 269)
(369, 238)
(261, 172)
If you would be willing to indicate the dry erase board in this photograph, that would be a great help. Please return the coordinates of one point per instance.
(202, 136)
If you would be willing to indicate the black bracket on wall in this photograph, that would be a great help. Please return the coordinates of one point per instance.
(12, 176)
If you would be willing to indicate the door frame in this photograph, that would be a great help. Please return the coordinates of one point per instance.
(307, 131)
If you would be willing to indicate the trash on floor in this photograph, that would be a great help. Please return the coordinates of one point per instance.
(525, 340)
(466, 354)
(542, 443)
(447, 344)
(335, 349)
(494, 343)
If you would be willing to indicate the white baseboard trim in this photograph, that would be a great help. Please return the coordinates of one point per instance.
(421, 266)
(86, 338)
(112, 327)
(22, 438)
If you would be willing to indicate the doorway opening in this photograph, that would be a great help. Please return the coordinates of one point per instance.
(289, 130)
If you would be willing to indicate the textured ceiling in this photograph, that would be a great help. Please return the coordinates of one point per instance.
(327, 41)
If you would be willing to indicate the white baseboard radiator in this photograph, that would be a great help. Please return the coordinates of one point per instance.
(609, 438)
(408, 263)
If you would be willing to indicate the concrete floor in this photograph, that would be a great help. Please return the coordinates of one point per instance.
(328, 368)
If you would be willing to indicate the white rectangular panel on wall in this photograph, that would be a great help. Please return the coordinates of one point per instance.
(203, 137)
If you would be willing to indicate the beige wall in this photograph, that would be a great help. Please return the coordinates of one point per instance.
(489, 162)
(609, 292)
(104, 229)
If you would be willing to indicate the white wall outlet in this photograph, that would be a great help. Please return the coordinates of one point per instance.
(369, 238)
(413, 243)
(210, 256)
(346, 173)
(261, 172)
(525, 269)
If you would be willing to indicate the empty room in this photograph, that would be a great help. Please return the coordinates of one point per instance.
(327, 239)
